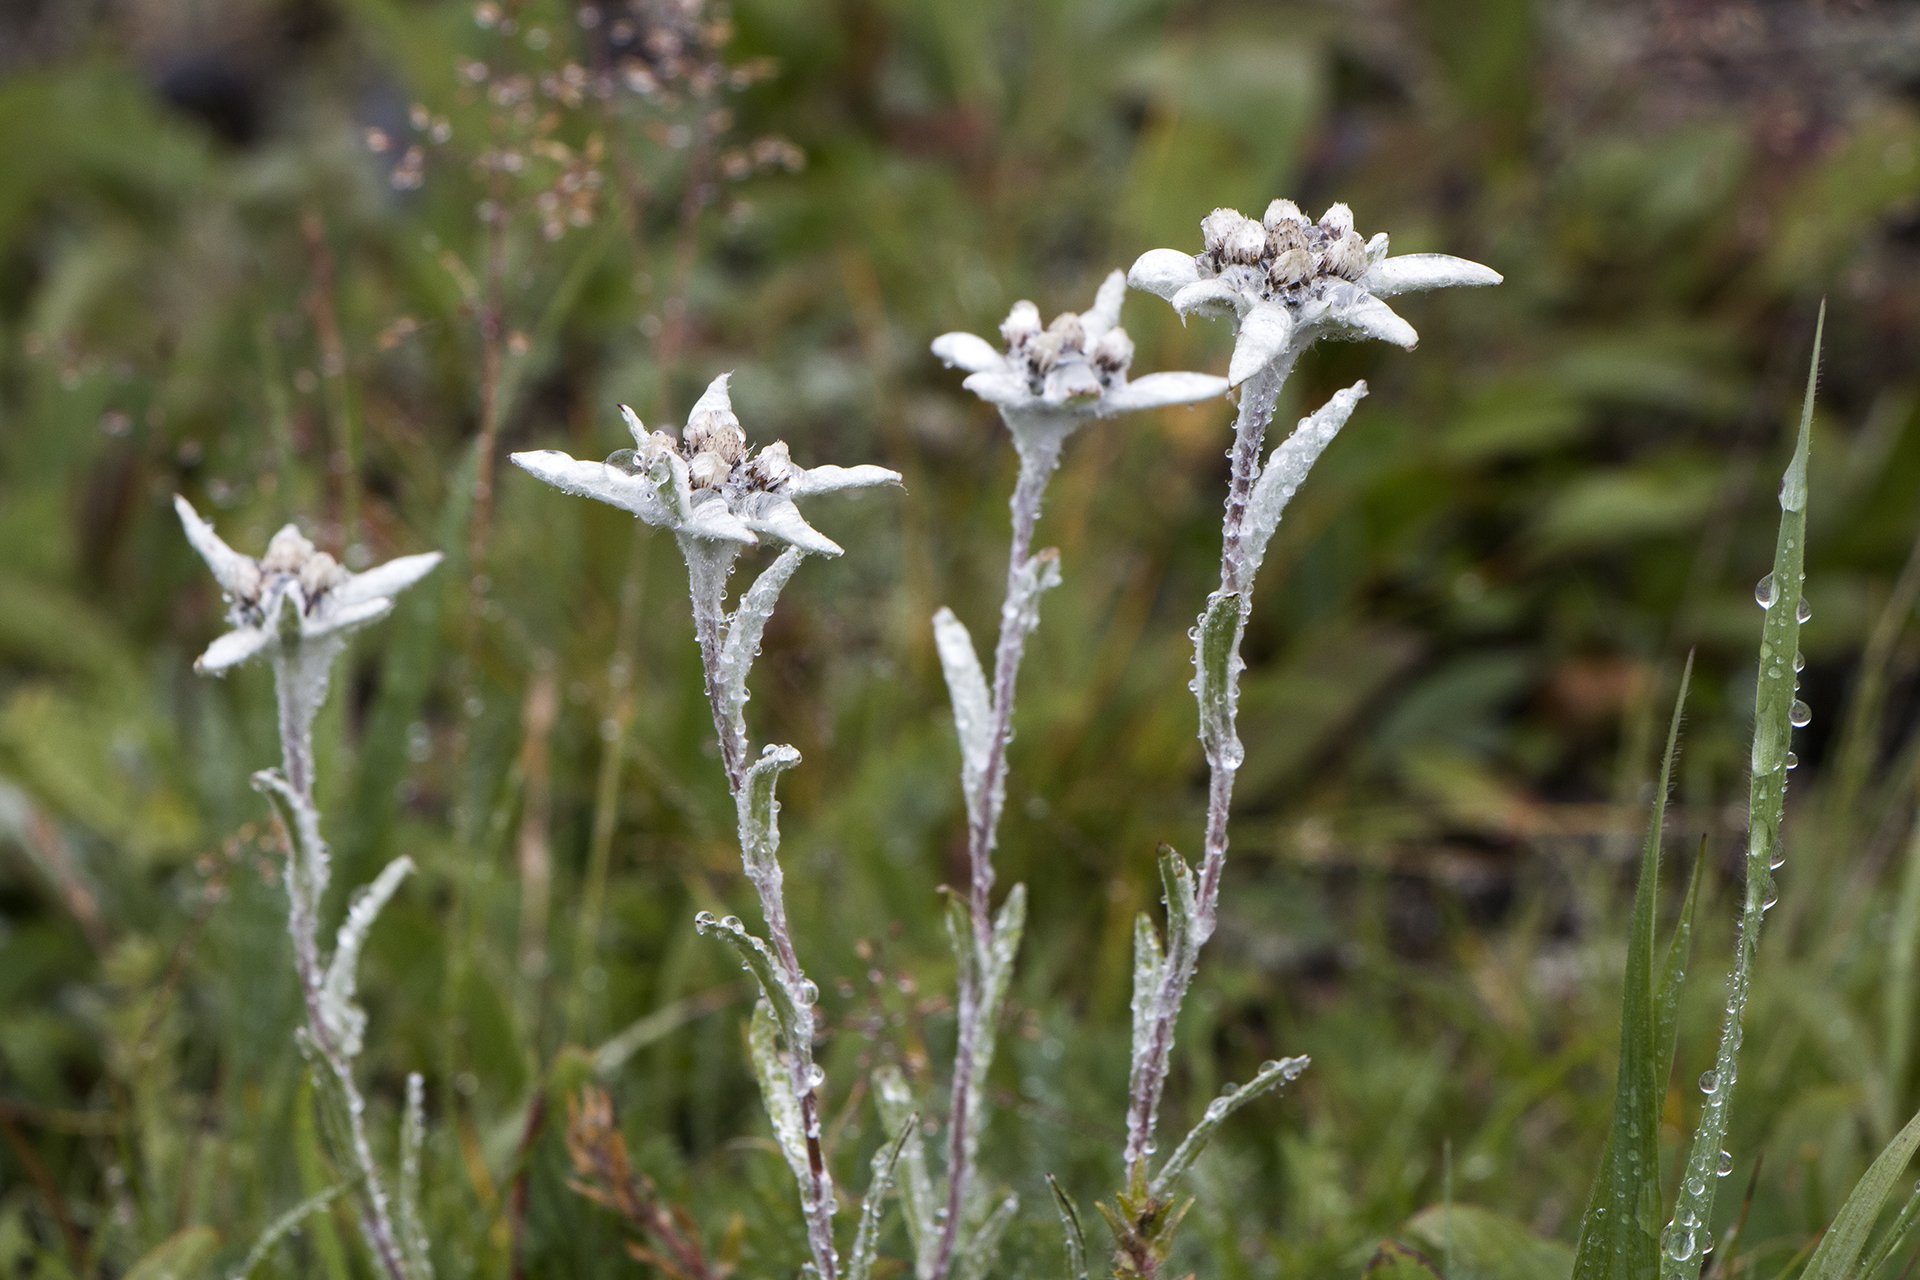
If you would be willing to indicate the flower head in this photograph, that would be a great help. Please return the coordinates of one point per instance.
(1287, 280)
(293, 594)
(708, 484)
(1074, 368)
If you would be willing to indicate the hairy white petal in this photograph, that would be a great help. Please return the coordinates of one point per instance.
(232, 649)
(386, 580)
(830, 479)
(1264, 333)
(337, 619)
(1163, 272)
(596, 480)
(711, 521)
(237, 575)
(968, 351)
(1413, 272)
(774, 516)
(1368, 317)
(1106, 306)
(635, 428)
(1215, 298)
(714, 399)
(999, 388)
(1158, 390)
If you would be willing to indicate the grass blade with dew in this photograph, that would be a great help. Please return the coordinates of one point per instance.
(1072, 1232)
(1777, 712)
(1619, 1234)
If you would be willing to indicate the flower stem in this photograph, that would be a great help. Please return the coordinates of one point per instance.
(1257, 399)
(1039, 458)
(300, 678)
(708, 566)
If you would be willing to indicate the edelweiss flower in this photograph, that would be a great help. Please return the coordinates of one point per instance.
(293, 594)
(708, 484)
(1074, 368)
(1287, 280)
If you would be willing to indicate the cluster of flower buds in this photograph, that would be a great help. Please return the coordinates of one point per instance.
(1070, 359)
(1285, 253)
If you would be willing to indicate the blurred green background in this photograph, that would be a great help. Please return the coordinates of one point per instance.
(330, 260)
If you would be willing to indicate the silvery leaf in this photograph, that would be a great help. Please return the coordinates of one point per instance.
(330, 620)
(1287, 470)
(344, 1020)
(749, 623)
(1271, 1076)
(636, 428)
(972, 704)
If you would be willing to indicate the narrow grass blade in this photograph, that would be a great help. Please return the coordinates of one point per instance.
(1838, 1257)
(1071, 1230)
(1903, 957)
(1619, 1234)
(1776, 712)
(1272, 1075)
(316, 1178)
(866, 1240)
(1679, 954)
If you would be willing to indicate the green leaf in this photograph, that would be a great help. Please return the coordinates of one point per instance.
(1838, 1256)
(283, 1226)
(316, 1178)
(918, 1203)
(1482, 1245)
(1619, 1233)
(1775, 707)
(1395, 1261)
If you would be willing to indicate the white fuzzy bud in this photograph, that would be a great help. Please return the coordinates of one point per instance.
(1287, 211)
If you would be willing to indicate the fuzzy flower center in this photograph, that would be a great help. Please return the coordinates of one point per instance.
(714, 447)
(293, 568)
(1285, 257)
(1062, 358)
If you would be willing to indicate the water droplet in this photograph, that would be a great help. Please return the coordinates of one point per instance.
(1772, 899)
(1764, 592)
(705, 921)
(1779, 860)
(1678, 1243)
(1805, 610)
(1696, 1186)
(1793, 761)
(1801, 714)
(1799, 661)
(1725, 1166)
(807, 993)
(1709, 1081)
(816, 1076)
(731, 924)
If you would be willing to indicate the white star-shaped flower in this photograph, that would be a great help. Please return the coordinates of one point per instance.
(294, 594)
(1287, 280)
(1074, 368)
(707, 485)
